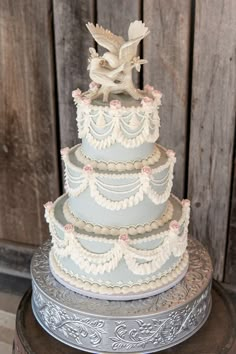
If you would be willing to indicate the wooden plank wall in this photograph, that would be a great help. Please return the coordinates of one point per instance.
(230, 268)
(28, 153)
(191, 53)
(212, 125)
(168, 50)
(72, 41)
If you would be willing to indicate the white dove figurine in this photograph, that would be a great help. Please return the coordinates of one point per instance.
(113, 71)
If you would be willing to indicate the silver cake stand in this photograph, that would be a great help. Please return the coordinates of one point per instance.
(137, 326)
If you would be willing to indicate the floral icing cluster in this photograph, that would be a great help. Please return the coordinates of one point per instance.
(146, 101)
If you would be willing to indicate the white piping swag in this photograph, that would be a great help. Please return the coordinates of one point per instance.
(128, 126)
(138, 261)
(141, 184)
(95, 284)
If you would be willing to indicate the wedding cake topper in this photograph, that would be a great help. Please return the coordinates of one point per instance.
(112, 72)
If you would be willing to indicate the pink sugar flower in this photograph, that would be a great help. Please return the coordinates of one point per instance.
(185, 202)
(88, 168)
(48, 205)
(115, 104)
(170, 153)
(148, 88)
(86, 100)
(146, 101)
(124, 237)
(65, 151)
(147, 170)
(69, 228)
(156, 94)
(76, 93)
(174, 225)
(93, 85)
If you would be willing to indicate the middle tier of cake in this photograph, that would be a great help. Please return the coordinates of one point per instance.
(118, 195)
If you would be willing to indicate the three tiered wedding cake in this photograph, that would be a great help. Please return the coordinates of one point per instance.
(118, 232)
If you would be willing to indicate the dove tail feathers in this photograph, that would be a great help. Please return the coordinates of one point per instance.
(137, 29)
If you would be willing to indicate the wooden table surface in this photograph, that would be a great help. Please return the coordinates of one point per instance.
(217, 336)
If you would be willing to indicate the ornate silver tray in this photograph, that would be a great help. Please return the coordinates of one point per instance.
(136, 326)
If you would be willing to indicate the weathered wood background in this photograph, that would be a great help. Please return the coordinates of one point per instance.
(192, 60)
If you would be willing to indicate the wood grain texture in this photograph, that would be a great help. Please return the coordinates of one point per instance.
(167, 51)
(212, 125)
(28, 161)
(72, 41)
(15, 259)
(230, 267)
(7, 327)
(116, 16)
(13, 285)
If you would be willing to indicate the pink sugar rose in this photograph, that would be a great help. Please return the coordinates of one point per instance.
(124, 237)
(48, 205)
(185, 202)
(147, 170)
(88, 168)
(170, 153)
(156, 94)
(115, 104)
(65, 151)
(174, 225)
(69, 228)
(146, 101)
(93, 85)
(86, 100)
(76, 93)
(148, 88)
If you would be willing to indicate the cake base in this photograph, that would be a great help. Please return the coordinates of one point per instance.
(138, 326)
(126, 297)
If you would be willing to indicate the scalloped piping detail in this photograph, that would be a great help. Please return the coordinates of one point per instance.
(104, 230)
(142, 186)
(92, 263)
(118, 125)
(51, 219)
(103, 288)
(117, 166)
(68, 164)
(152, 260)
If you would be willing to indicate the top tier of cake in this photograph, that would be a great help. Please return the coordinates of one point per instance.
(122, 130)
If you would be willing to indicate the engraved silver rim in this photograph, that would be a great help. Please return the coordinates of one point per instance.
(137, 326)
(103, 352)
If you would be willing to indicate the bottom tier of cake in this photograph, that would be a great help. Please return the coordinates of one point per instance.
(101, 290)
(139, 326)
(119, 267)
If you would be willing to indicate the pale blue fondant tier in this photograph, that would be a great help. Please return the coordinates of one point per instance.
(86, 209)
(60, 220)
(100, 244)
(117, 152)
(120, 274)
(117, 187)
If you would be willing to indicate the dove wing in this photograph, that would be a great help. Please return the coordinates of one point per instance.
(105, 38)
(129, 50)
(137, 31)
